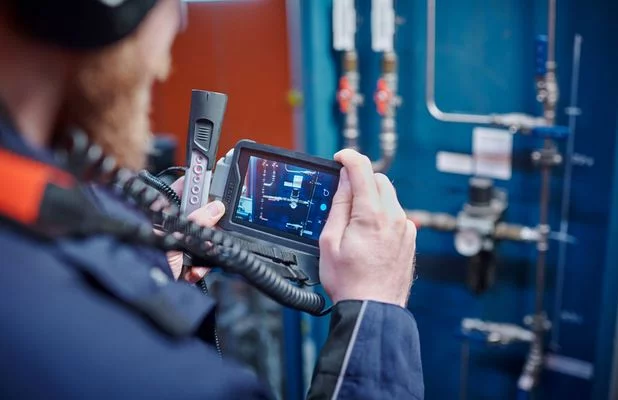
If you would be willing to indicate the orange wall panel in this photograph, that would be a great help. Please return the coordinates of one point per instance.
(238, 48)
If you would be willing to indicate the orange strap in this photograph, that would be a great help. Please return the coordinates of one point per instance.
(23, 184)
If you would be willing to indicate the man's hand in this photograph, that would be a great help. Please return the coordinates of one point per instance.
(367, 246)
(208, 216)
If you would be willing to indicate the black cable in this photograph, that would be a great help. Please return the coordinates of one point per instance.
(220, 249)
(214, 246)
(162, 187)
(172, 196)
(170, 170)
(202, 285)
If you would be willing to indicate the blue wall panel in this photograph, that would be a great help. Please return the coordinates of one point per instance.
(485, 63)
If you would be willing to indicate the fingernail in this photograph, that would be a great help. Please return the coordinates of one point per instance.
(337, 155)
(215, 209)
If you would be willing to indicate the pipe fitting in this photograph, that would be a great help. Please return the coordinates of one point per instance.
(438, 221)
(518, 233)
(387, 101)
(349, 99)
(532, 369)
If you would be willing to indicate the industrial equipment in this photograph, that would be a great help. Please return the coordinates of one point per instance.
(486, 72)
(472, 229)
(386, 97)
(480, 225)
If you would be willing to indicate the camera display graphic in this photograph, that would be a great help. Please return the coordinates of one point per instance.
(285, 197)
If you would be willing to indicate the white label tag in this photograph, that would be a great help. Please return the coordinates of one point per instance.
(493, 153)
(382, 25)
(344, 25)
(455, 163)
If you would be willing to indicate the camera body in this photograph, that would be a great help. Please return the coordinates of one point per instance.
(277, 203)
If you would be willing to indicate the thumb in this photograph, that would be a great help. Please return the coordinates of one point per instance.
(339, 216)
(209, 214)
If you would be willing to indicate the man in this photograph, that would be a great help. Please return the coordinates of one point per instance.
(94, 318)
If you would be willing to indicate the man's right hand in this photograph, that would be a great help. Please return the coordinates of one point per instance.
(367, 245)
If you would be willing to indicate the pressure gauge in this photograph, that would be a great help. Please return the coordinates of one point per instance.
(468, 242)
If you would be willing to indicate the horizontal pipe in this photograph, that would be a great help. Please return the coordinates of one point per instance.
(448, 223)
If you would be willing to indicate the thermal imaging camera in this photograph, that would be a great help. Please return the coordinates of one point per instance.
(277, 202)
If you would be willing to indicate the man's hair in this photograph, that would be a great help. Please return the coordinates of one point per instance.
(79, 24)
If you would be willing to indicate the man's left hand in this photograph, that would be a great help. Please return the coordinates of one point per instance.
(207, 216)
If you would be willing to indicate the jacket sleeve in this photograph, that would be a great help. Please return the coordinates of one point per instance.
(372, 352)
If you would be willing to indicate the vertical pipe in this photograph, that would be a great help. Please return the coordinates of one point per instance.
(387, 101)
(551, 84)
(566, 192)
(543, 245)
(351, 79)
(534, 363)
(551, 32)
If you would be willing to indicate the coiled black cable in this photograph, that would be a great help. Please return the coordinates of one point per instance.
(171, 195)
(219, 248)
(162, 187)
(171, 170)
(215, 246)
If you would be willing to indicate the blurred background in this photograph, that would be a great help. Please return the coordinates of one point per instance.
(497, 121)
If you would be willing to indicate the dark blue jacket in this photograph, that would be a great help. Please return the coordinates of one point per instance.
(97, 318)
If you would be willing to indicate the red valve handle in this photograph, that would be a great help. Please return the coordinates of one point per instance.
(383, 96)
(345, 94)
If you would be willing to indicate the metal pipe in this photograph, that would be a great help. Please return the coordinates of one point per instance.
(515, 232)
(566, 192)
(349, 99)
(431, 78)
(542, 244)
(550, 98)
(387, 101)
(438, 221)
(448, 223)
(534, 362)
(514, 121)
(551, 32)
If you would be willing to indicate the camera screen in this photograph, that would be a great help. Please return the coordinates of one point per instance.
(284, 198)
